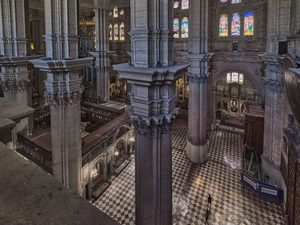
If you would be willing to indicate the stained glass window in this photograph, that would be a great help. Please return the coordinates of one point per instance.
(116, 11)
(116, 32)
(122, 32)
(234, 77)
(228, 77)
(176, 28)
(223, 25)
(185, 4)
(223, 0)
(235, 1)
(110, 32)
(122, 12)
(236, 24)
(249, 24)
(241, 78)
(176, 4)
(185, 27)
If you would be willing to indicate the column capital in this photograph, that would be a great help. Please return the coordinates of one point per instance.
(60, 99)
(197, 78)
(156, 125)
(275, 86)
(16, 85)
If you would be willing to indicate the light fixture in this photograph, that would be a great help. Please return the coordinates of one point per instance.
(117, 153)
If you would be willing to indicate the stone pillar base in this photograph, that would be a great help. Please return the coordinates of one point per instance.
(197, 154)
(272, 171)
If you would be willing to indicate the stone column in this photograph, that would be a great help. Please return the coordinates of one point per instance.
(102, 55)
(16, 70)
(63, 89)
(295, 17)
(271, 157)
(152, 109)
(197, 146)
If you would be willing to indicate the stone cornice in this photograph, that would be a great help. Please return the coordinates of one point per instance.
(269, 59)
(15, 61)
(200, 57)
(148, 75)
(53, 66)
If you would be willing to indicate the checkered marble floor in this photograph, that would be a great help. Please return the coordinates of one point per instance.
(219, 176)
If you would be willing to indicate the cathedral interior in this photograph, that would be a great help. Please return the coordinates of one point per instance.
(134, 112)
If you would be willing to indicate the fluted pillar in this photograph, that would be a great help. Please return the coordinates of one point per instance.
(102, 55)
(152, 75)
(63, 89)
(271, 157)
(16, 71)
(197, 144)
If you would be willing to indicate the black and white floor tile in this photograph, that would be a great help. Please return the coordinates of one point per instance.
(219, 176)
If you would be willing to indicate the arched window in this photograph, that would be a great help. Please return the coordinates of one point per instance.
(116, 32)
(249, 24)
(185, 4)
(236, 24)
(235, 1)
(235, 77)
(176, 4)
(122, 32)
(176, 28)
(185, 27)
(223, 32)
(110, 32)
(115, 11)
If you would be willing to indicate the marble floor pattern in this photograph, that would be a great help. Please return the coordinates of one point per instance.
(219, 176)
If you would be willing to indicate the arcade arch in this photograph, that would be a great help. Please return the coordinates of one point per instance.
(232, 90)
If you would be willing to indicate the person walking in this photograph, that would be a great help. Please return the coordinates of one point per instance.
(209, 201)
(206, 215)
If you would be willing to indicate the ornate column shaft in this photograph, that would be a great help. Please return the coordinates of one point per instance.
(63, 89)
(102, 55)
(198, 74)
(152, 109)
(273, 118)
(295, 17)
(16, 71)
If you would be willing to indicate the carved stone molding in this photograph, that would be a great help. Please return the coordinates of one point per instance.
(269, 59)
(64, 98)
(276, 86)
(16, 85)
(197, 78)
(152, 126)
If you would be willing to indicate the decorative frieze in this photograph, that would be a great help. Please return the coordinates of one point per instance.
(64, 98)
(15, 85)
(151, 126)
(275, 86)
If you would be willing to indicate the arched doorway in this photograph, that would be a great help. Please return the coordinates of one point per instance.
(232, 90)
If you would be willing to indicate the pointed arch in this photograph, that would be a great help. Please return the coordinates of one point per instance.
(122, 32)
(116, 32)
